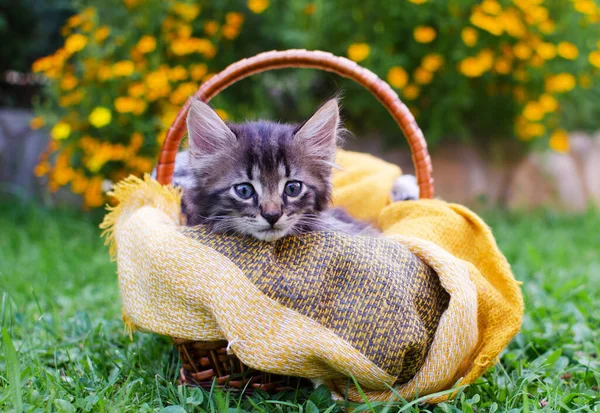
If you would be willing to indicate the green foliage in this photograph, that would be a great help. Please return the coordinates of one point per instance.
(60, 307)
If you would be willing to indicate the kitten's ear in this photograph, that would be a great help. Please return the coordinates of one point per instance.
(319, 134)
(208, 134)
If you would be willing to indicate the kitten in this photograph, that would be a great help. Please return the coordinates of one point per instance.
(264, 179)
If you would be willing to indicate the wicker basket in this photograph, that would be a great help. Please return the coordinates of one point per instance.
(209, 363)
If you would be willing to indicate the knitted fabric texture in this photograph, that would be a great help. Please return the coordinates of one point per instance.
(175, 281)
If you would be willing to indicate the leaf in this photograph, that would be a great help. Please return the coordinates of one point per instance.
(13, 371)
(63, 406)
(310, 407)
(173, 409)
(321, 396)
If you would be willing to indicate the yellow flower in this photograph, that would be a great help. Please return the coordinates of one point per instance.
(547, 27)
(546, 50)
(568, 50)
(211, 27)
(432, 62)
(184, 31)
(424, 34)
(522, 51)
(136, 89)
(146, 44)
(477, 65)
(562, 82)
(585, 7)
(182, 93)
(68, 82)
(123, 68)
(234, 19)
(559, 141)
(418, 1)
(548, 103)
(100, 117)
(594, 58)
(486, 22)
(358, 51)
(75, 43)
(258, 6)
(183, 47)
(533, 130)
(423, 76)
(502, 65)
(126, 104)
(188, 12)
(491, 7)
(519, 94)
(397, 77)
(61, 130)
(37, 122)
(177, 73)
(101, 33)
(511, 21)
(411, 91)
(198, 71)
(533, 111)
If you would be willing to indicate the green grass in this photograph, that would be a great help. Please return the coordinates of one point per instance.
(64, 348)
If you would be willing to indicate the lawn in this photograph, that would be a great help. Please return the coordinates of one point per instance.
(60, 312)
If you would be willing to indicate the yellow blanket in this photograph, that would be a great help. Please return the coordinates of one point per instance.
(175, 285)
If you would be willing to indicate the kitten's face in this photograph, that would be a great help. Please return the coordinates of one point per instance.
(262, 179)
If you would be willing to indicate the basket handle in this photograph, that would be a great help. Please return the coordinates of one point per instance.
(306, 59)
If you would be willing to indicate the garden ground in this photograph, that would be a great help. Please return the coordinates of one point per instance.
(61, 314)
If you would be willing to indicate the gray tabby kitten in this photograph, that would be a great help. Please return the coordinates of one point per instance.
(265, 179)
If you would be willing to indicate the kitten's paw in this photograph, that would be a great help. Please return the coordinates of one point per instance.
(405, 188)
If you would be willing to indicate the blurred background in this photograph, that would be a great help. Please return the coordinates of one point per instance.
(506, 92)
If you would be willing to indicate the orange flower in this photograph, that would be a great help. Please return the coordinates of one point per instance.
(75, 43)
(432, 62)
(423, 76)
(211, 27)
(146, 44)
(424, 34)
(397, 77)
(411, 91)
(234, 18)
(37, 122)
(101, 33)
(258, 6)
(198, 71)
(358, 51)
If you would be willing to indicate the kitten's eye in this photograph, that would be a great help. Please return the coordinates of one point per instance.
(293, 188)
(244, 191)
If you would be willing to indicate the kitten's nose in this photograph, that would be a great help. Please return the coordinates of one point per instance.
(271, 216)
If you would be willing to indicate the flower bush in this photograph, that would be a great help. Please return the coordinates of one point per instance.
(488, 69)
